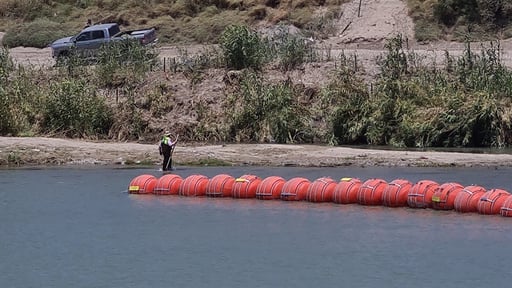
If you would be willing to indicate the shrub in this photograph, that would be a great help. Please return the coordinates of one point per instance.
(292, 49)
(267, 112)
(129, 123)
(19, 96)
(73, 108)
(425, 30)
(242, 48)
(6, 65)
(124, 63)
(346, 102)
(39, 33)
(27, 10)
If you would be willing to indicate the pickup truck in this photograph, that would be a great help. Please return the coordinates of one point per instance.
(90, 39)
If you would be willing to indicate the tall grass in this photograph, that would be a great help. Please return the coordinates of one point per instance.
(182, 21)
(419, 105)
(73, 109)
(38, 33)
(411, 103)
(265, 112)
(242, 48)
(20, 97)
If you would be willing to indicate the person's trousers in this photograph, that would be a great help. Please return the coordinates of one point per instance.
(167, 163)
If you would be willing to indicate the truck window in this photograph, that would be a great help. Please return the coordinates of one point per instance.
(113, 30)
(98, 34)
(84, 36)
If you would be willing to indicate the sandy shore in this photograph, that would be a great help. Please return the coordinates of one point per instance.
(40, 151)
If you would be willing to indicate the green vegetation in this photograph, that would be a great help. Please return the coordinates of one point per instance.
(262, 112)
(411, 103)
(68, 100)
(38, 33)
(460, 19)
(37, 23)
(242, 48)
(416, 104)
(72, 108)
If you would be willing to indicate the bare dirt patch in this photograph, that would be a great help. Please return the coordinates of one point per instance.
(37, 151)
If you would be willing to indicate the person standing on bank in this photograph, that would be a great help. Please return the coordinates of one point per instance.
(88, 23)
(166, 148)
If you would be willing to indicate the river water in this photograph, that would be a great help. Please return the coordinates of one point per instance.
(79, 228)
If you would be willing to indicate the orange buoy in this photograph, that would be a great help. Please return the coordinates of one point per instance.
(420, 195)
(467, 199)
(245, 186)
(270, 188)
(491, 202)
(220, 186)
(506, 208)
(168, 184)
(194, 185)
(395, 194)
(370, 193)
(346, 190)
(142, 184)
(295, 189)
(444, 196)
(321, 190)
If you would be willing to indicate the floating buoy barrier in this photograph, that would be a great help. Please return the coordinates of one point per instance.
(444, 196)
(346, 190)
(245, 186)
(420, 195)
(321, 190)
(492, 201)
(270, 188)
(220, 186)
(370, 193)
(194, 185)
(295, 189)
(506, 208)
(142, 184)
(168, 185)
(375, 191)
(396, 193)
(467, 200)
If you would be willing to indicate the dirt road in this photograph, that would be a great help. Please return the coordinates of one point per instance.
(361, 32)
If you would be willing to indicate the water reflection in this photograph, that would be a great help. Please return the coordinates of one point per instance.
(59, 225)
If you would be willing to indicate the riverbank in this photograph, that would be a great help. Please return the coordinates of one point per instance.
(42, 151)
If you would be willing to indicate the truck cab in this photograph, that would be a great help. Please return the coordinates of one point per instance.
(89, 40)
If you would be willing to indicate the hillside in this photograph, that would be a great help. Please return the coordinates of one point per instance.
(378, 21)
(192, 101)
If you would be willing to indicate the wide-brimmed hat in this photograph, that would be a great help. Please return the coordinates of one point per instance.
(167, 133)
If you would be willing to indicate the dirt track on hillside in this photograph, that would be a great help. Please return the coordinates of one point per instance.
(364, 36)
